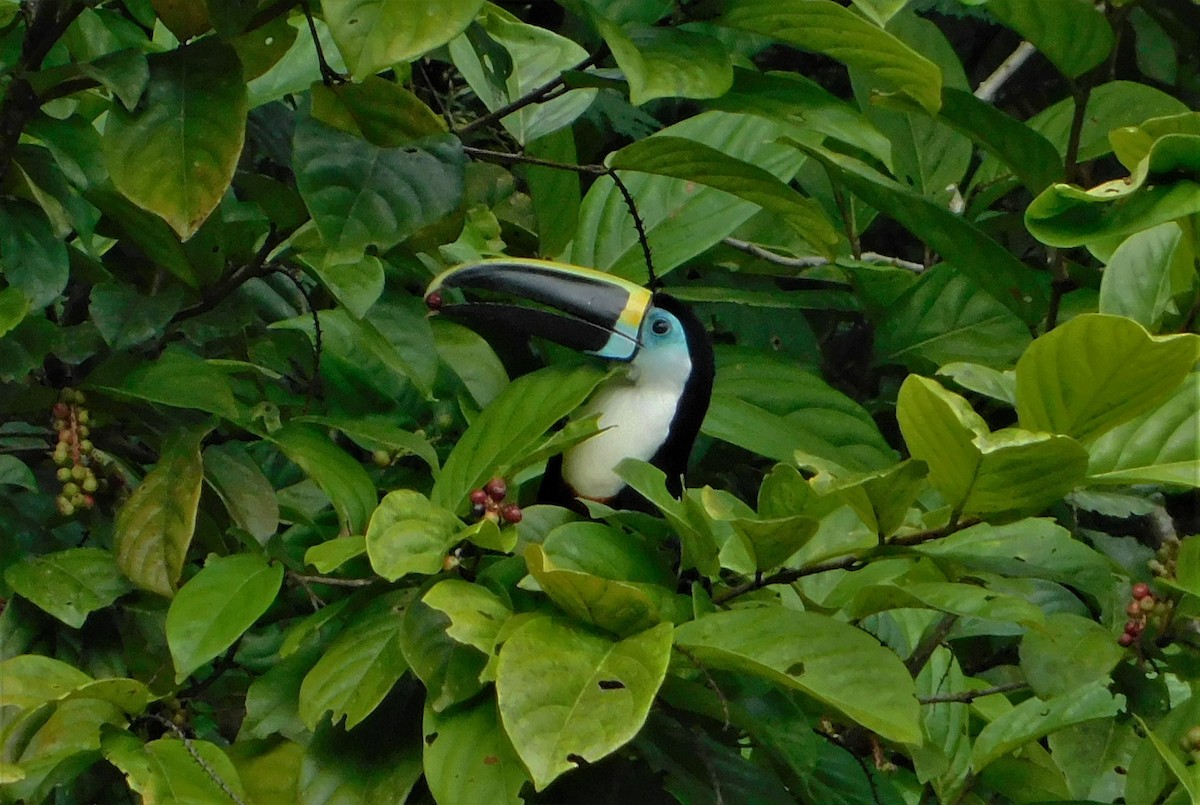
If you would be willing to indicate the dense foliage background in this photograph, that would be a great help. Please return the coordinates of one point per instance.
(935, 546)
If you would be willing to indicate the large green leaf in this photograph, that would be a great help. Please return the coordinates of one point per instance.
(217, 606)
(54, 746)
(831, 661)
(829, 28)
(1146, 272)
(176, 378)
(1035, 718)
(32, 259)
(379, 111)
(168, 770)
(449, 669)
(247, 494)
(154, 528)
(620, 607)
(536, 56)
(409, 534)
(567, 693)
(359, 667)
(881, 498)
(695, 162)
(68, 584)
(698, 546)
(176, 153)
(667, 62)
(509, 428)
(31, 680)
(961, 242)
(468, 757)
(945, 317)
(1095, 372)
(1162, 446)
(1043, 22)
(343, 479)
(680, 221)
(965, 600)
(361, 194)
(375, 35)
(126, 318)
(979, 471)
(1069, 651)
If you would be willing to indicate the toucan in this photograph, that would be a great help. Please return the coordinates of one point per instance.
(652, 411)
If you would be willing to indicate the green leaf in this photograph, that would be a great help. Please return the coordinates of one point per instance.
(14, 306)
(361, 194)
(1035, 548)
(475, 613)
(176, 378)
(1065, 215)
(985, 380)
(332, 554)
(356, 283)
(379, 111)
(1185, 776)
(945, 316)
(359, 667)
(667, 62)
(1146, 272)
(409, 534)
(565, 692)
(698, 546)
(680, 221)
(962, 243)
(166, 770)
(555, 193)
(536, 56)
(468, 757)
(1043, 22)
(881, 499)
(831, 661)
(247, 494)
(1030, 156)
(510, 427)
(615, 606)
(57, 746)
(826, 27)
(449, 669)
(14, 472)
(1095, 372)
(154, 528)
(695, 162)
(125, 318)
(217, 606)
(374, 433)
(1035, 718)
(788, 97)
(1092, 755)
(32, 259)
(1011, 470)
(68, 584)
(375, 35)
(1069, 651)
(342, 478)
(31, 680)
(176, 153)
(1161, 446)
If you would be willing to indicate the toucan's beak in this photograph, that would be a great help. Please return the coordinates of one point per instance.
(580, 308)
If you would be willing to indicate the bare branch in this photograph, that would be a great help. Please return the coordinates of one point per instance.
(968, 696)
(990, 86)
(546, 92)
(755, 250)
(503, 158)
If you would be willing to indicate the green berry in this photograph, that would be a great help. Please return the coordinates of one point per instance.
(83, 416)
(85, 446)
(70, 489)
(63, 474)
(65, 507)
(1193, 736)
(79, 472)
(382, 458)
(90, 484)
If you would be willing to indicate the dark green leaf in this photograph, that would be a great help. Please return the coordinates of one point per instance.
(32, 259)
(69, 584)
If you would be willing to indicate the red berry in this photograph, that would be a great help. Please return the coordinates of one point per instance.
(479, 497)
(1126, 639)
(89, 501)
(434, 300)
(512, 513)
(1141, 590)
(496, 489)
(60, 410)
(1134, 628)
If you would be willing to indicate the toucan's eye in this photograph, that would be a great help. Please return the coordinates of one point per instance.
(661, 327)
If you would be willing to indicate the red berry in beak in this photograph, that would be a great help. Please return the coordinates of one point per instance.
(434, 301)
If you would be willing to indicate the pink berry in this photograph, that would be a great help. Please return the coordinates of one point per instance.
(1126, 639)
(496, 489)
(1141, 590)
(512, 513)
(478, 497)
(434, 301)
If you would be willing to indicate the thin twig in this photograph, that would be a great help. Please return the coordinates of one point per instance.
(536, 95)
(503, 158)
(926, 647)
(332, 581)
(788, 576)
(755, 250)
(329, 76)
(637, 223)
(231, 281)
(968, 696)
(990, 86)
(1082, 93)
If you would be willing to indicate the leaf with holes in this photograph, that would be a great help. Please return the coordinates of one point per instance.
(375, 35)
(468, 758)
(570, 696)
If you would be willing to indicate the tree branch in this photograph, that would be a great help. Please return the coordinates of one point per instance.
(332, 581)
(990, 86)
(231, 281)
(927, 646)
(968, 696)
(755, 250)
(503, 158)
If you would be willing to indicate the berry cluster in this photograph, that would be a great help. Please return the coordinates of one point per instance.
(1191, 742)
(1141, 606)
(1166, 560)
(73, 454)
(488, 503)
